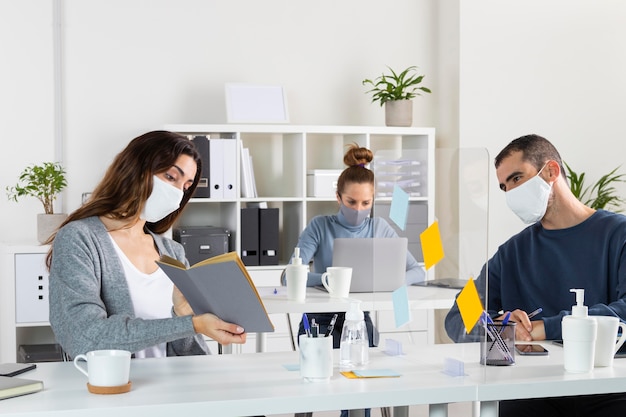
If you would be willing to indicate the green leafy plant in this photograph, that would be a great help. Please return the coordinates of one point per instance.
(602, 194)
(44, 182)
(396, 86)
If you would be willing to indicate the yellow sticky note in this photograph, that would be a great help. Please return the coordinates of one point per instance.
(432, 248)
(470, 305)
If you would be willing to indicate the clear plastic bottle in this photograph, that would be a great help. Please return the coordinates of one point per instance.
(354, 345)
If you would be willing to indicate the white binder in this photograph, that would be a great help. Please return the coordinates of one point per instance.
(216, 167)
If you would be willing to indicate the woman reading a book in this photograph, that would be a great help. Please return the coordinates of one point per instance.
(106, 290)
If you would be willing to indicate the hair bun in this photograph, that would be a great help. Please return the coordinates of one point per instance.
(357, 156)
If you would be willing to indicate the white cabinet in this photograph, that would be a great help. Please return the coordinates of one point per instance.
(282, 157)
(23, 299)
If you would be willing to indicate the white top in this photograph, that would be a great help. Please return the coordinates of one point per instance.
(151, 295)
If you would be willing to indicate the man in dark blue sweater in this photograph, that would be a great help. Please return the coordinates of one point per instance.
(567, 245)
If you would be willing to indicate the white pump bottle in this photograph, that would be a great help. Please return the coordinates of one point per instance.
(296, 277)
(579, 336)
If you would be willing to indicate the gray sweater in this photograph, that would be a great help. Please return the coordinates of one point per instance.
(90, 304)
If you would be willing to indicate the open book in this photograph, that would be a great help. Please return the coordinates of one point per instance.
(12, 387)
(220, 285)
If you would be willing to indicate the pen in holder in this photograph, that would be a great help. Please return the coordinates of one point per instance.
(497, 343)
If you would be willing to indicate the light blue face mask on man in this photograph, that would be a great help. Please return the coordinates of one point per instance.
(354, 217)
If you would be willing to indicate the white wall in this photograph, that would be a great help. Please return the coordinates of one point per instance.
(555, 68)
(498, 70)
(134, 65)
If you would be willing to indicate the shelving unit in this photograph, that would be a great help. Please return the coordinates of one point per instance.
(282, 155)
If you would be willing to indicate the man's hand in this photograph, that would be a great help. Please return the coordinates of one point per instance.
(526, 330)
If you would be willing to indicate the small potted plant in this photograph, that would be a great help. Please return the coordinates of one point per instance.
(44, 182)
(396, 91)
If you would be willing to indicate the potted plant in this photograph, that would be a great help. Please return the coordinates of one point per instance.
(44, 182)
(601, 194)
(396, 91)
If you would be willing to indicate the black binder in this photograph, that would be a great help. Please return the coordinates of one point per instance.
(250, 236)
(202, 145)
(268, 236)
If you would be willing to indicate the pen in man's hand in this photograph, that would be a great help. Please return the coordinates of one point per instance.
(331, 326)
(534, 313)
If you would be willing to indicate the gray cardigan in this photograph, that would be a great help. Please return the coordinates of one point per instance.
(90, 304)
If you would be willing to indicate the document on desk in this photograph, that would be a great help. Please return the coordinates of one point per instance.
(13, 387)
(220, 285)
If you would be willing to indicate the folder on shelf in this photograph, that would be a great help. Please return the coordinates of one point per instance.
(230, 168)
(250, 236)
(268, 236)
(222, 286)
(216, 168)
(13, 387)
(202, 145)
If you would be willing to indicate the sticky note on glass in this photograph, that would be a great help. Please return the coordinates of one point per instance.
(432, 248)
(470, 305)
(398, 212)
(401, 311)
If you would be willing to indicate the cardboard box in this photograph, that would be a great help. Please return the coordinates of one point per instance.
(322, 182)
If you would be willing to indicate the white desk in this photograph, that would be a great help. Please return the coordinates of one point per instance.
(318, 301)
(250, 384)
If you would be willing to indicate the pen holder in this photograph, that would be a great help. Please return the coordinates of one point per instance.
(316, 358)
(497, 343)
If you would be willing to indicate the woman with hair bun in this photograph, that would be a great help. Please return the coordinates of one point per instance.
(355, 196)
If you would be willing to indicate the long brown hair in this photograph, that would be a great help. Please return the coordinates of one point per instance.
(127, 183)
(356, 157)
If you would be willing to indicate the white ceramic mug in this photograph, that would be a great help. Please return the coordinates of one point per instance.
(337, 281)
(607, 343)
(316, 358)
(105, 368)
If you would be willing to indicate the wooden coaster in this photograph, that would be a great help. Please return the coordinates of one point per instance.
(109, 390)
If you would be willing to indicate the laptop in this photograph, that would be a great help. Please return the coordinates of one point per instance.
(378, 264)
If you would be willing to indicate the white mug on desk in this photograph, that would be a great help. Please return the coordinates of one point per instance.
(607, 342)
(337, 281)
(105, 368)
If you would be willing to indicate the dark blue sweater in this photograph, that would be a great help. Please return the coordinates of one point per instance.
(537, 267)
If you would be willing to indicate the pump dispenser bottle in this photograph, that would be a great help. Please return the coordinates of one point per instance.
(354, 345)
(296, 278)
(579, 336)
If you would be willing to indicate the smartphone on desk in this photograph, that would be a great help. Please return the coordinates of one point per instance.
(12, 369)
(530, 349)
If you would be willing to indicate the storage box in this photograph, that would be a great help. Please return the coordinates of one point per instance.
(322, 182)
(202, 242)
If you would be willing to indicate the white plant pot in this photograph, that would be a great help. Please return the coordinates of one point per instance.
(399, 113)
(47, 224)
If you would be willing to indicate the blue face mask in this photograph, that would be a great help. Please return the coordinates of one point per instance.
(354, 217)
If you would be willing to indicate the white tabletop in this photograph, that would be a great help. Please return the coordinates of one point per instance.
(250, 384)
(319, 301)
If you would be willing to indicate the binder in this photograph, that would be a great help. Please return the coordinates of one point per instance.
(230, 168)
(268, 236)
(216, 167)
(202, 145)
(250, 236)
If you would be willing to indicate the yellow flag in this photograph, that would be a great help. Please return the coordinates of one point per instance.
(432, 248)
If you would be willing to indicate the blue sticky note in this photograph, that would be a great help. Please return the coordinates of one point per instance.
(375, 373)
(399, 209)
(401, 311)
(292, 366)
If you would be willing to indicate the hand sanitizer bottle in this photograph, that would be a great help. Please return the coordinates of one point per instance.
(296, 278)
(354, 345)
(579, 336)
